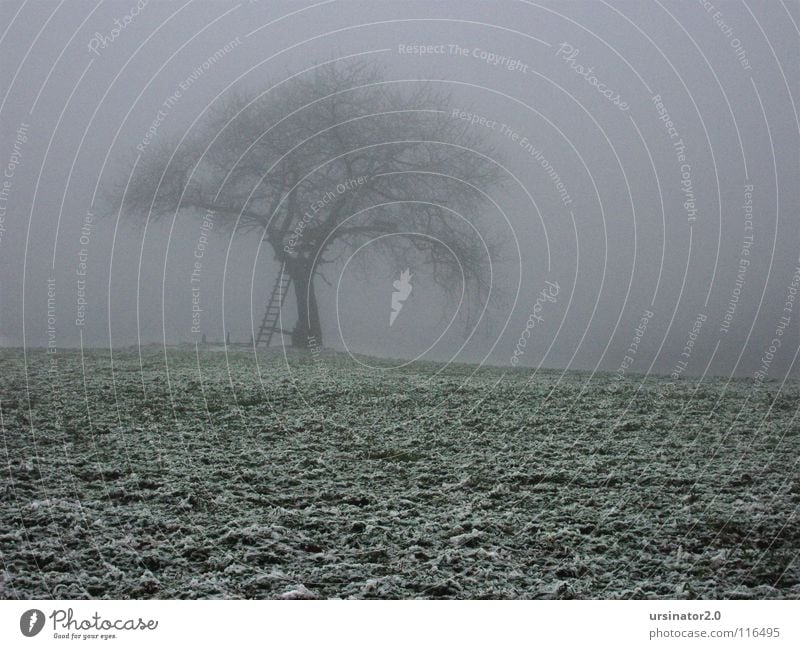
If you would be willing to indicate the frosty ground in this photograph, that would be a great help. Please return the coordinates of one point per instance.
(201, 474)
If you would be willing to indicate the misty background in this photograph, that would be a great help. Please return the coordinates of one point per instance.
(622, 237)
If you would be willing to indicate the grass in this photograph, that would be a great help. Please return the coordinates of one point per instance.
(225, 478)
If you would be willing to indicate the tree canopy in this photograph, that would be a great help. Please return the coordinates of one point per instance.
(326, 161)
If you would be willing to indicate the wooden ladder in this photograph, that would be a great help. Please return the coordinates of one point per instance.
(269, 323)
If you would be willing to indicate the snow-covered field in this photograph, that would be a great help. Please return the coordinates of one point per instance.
(325, 478)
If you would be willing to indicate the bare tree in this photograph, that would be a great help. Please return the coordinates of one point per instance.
(327, 160)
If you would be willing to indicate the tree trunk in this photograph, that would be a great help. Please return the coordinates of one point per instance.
(308, 330)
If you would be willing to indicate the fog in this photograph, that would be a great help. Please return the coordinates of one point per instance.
(649, 212)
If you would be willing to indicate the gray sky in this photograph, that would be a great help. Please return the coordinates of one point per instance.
(647, 223)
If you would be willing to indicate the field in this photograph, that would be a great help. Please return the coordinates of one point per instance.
(317, 476)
